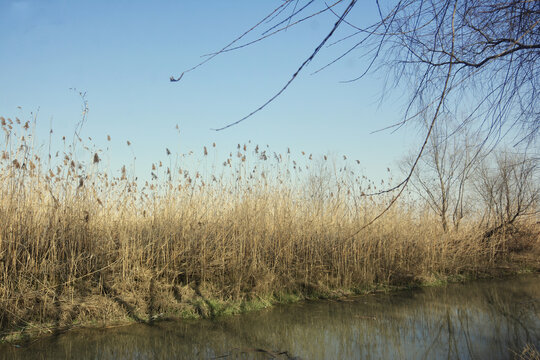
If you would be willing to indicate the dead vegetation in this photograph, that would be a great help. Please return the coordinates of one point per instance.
(80, 245)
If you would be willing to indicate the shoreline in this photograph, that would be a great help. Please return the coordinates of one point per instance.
(218, 308)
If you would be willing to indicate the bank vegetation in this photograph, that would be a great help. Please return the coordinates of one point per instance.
(83, 244)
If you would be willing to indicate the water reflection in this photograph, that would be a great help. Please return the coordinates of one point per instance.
(489, 319)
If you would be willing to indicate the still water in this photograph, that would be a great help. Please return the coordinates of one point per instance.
(479, 320)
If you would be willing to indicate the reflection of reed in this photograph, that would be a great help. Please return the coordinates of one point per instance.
(234, 353)
(478, 320)
(530, 352)
(520, 314)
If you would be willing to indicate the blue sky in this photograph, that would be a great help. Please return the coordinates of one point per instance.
(122, 53)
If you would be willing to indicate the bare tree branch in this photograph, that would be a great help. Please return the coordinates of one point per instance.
(173, 79)
(317, 49)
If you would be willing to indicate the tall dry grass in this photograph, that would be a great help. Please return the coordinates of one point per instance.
(79, 243)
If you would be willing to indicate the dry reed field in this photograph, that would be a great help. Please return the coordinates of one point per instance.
(83, 245)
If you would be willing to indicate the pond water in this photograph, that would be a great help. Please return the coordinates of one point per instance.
(479, 320)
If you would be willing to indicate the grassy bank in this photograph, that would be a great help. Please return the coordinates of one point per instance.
(81, 244)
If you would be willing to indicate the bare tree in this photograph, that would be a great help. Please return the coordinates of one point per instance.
(509, 186)
(443, 174)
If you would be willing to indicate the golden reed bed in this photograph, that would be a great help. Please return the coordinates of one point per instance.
(81, 244)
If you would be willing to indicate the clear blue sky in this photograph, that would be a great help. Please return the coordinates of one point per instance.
(122, 53)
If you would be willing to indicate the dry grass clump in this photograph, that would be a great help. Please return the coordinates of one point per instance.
(78, 244)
